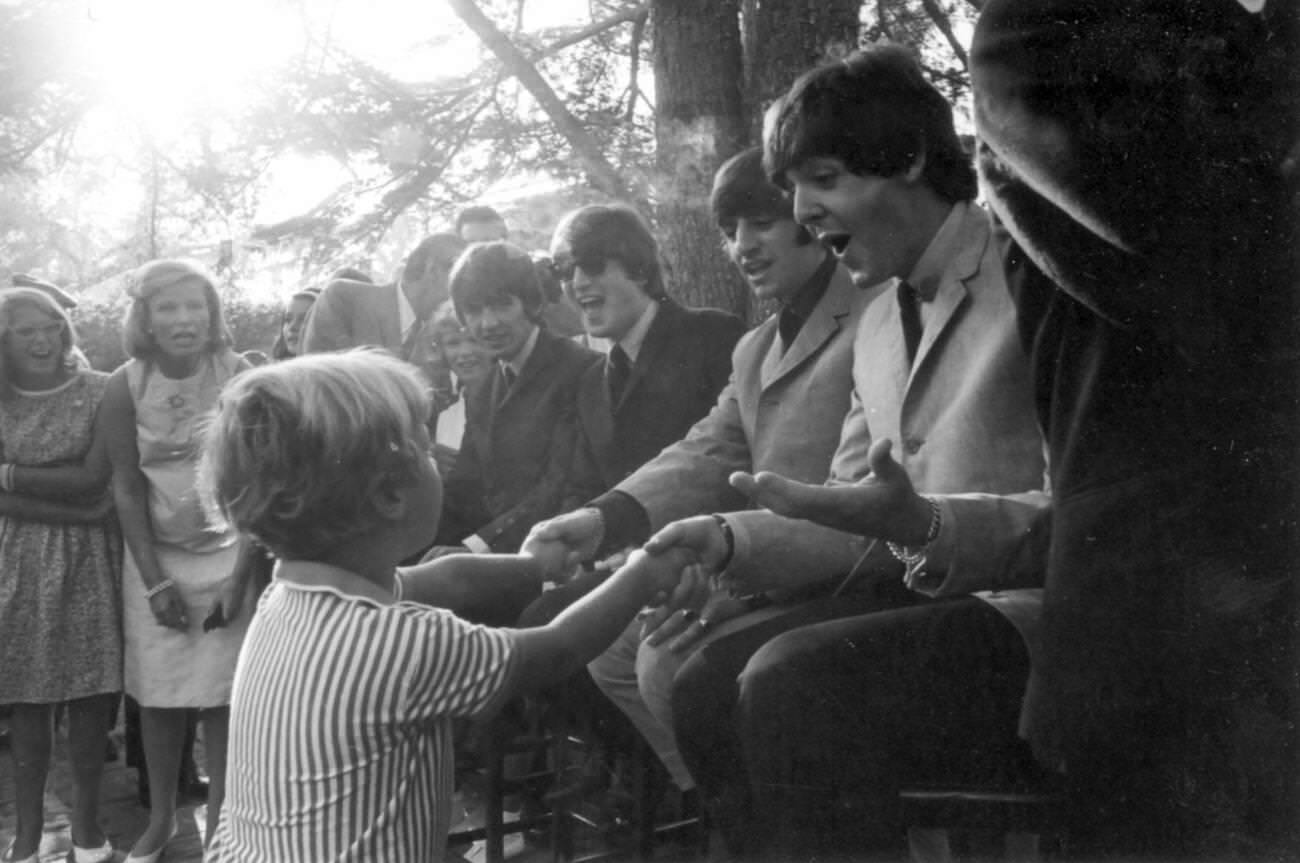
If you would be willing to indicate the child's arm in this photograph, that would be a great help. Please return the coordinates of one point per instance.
(475, 586)
(551, 653)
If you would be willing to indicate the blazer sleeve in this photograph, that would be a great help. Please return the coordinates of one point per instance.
(690, 476)
(328, 327)
(985, 542)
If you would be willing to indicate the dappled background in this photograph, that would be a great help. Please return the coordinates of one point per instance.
(277, 141)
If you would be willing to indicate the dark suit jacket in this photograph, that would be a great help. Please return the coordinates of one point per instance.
(517, 449)
(682, 366)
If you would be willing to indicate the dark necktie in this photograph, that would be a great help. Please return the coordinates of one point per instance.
(618, 367)
(507, 380)
(909, 311)
(787, 327)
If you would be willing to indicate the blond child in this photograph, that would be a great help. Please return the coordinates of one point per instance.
(353, 672)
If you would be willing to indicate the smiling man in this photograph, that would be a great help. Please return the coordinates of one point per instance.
(781, 410)
(666, 364)
(828, 715)
(520, 424)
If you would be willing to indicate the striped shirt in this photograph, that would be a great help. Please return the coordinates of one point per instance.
(340, 727)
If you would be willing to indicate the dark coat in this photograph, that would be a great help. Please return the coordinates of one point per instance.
(517, 449)
(682, 366)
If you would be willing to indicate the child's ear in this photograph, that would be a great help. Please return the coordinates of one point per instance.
(389, 500)
(915, 170)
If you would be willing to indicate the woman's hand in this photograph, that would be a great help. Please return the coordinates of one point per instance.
(230, 601)
(169, 609)
(720, 608)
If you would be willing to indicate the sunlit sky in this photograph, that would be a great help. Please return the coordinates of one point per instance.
(156, 61)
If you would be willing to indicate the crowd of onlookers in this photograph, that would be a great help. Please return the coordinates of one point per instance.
(1002, 494)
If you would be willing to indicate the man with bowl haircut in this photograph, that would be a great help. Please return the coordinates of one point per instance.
(781, 410)
(666, 364)
(351, 313)
(938, 484)
(521, 424)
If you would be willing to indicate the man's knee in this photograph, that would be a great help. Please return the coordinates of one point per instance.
(616, 667)
(773, 672)
(656, 668)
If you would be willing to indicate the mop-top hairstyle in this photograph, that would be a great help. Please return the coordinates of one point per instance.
(295, 450)
(876, 113)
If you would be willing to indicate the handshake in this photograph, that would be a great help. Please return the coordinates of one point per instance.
(684, 560)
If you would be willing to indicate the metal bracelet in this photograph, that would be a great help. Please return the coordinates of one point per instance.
(159, 588)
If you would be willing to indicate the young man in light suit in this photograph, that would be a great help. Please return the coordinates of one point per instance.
(938, 484)
(781, 410)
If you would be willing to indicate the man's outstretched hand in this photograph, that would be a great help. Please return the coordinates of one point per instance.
(882, 504)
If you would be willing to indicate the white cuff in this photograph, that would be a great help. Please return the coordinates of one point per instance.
(476, 544)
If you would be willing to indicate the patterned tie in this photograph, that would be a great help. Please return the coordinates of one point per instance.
(507, 381)
(618, 367)
(909, 311)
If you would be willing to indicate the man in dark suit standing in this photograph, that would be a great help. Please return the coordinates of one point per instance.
(666, 363)
(520, 427)
(350, 313)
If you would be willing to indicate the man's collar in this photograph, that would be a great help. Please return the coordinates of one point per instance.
(518, 361)
(807, 297)
(634, 338)
(930, 267)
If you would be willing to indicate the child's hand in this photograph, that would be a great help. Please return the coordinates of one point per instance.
(663, 571)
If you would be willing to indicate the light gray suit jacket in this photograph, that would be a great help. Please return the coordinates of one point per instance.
(777, 412)
(964, 426)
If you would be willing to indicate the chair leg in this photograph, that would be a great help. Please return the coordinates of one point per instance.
(494, 823)
(928, 845)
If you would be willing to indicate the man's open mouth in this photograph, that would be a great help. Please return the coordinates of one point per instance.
(837, 243)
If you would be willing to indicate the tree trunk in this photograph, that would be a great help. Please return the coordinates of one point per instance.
(699, 123)
(784, 38)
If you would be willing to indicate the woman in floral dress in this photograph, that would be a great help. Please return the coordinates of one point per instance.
(59, 558)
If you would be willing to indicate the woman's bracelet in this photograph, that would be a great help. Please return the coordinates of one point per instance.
(6, 477)
(159, 588)
(729, 538)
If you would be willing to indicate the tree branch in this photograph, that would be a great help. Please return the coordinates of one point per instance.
(638, 33)
(940, 19)
(637, 14)
(601, 172)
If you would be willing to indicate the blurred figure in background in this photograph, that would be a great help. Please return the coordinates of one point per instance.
(470, 365)
(293, 322)
(481, 224)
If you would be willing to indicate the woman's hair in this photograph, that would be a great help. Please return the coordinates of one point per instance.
(295, 450)
(157, 276)
(12, 299)
(491, 274)
(876, 113)
(280, 350)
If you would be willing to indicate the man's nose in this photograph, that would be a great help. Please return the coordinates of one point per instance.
(808, 209)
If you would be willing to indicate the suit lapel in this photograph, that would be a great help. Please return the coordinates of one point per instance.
(824, 322)
(951, 294)
(658, 339)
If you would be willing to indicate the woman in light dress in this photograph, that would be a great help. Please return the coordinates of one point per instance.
(184, 582)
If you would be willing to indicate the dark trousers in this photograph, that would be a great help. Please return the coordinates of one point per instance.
(706, 692)
(834, 718)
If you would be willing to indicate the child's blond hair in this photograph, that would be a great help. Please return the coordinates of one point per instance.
(296, 449)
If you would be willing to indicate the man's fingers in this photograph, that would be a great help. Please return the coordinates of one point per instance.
(671, 627)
